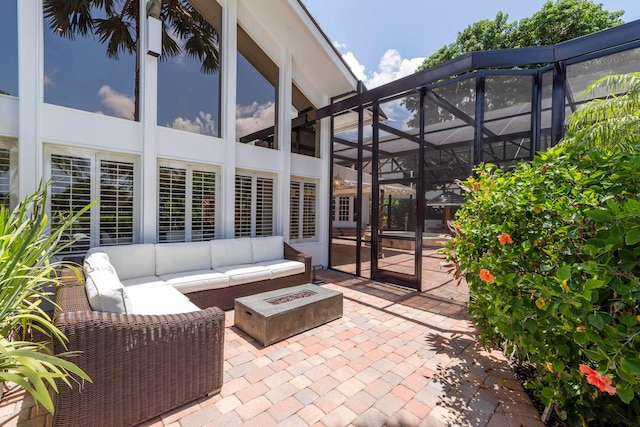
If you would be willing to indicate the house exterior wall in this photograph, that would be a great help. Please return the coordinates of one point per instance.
(37, 128)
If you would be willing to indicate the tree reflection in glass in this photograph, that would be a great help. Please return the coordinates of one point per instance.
(74, 79)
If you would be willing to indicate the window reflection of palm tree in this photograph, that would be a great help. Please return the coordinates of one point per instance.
(191, 33)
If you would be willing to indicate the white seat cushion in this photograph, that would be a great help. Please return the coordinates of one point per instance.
(106, 293)
(159, 300)
(228, 252)
(130, 261)
(247, 273)
(283, 267)
(198, 280)
(145, 282)
(180, 257)
(267, 248)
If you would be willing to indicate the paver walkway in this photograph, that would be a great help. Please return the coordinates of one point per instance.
(396, 358)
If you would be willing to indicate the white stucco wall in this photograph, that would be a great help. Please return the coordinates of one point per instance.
(35, 125)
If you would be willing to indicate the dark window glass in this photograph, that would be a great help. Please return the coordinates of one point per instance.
(256, 94)
(303, 125)
(92, 67)
(8, 48)
(188, 82)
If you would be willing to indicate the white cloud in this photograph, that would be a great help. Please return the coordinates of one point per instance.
(356, 67)
(254, 117)
(391, 66)
(48, 78)
(119, 104)
(340, 46)
(203, 124)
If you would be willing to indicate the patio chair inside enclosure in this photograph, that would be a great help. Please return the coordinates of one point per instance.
(148, 321)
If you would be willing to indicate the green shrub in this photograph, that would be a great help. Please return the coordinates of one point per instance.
(27, 249)
(551, 253)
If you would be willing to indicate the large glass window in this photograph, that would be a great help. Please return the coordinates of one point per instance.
(80, 177)
(303, 125)
(254, 210)
(90, 56)
(187, 198)
(256, 94)
(189, 72)
(9, 48)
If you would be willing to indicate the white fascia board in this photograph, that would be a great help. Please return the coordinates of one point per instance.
(324, 44)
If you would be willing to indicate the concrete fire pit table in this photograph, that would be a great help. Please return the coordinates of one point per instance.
(272, 316)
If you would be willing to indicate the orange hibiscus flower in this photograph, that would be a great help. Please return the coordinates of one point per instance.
(504, 238)
(486, 276)
(602, 382)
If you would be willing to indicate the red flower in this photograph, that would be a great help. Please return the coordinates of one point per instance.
(486, 276)
(602, 382)
(504, 238)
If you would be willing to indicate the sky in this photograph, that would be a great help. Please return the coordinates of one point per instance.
(383, 41)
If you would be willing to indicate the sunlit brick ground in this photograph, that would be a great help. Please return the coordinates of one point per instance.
(396, 358)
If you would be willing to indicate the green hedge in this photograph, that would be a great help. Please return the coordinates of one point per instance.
(551, 253)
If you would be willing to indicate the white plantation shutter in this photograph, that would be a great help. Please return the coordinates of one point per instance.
(116, 202)
(264, 207)
(294, 211)
(172, 209)
(5, 176)
(303, 205)
(309, 211)
(70, 192)
(254, 206)
(243, 206)
(203, 206)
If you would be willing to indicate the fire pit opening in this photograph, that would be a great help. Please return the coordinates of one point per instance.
(290, 297)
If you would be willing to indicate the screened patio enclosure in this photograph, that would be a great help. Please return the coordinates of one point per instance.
(427, 130)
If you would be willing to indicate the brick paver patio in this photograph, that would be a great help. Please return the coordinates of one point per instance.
(396, 358)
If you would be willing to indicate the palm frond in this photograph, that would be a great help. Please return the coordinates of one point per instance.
(611, 122)
(69, 17)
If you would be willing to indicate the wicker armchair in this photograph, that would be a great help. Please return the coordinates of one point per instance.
(141, 366)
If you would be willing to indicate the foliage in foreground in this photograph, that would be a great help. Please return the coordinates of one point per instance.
(26, 248)
(551, 253)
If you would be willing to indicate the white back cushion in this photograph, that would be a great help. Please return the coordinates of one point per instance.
(106, 293)
(131, 260)
(98, 261)
(180, 257)
(267, 248)
(230, 252)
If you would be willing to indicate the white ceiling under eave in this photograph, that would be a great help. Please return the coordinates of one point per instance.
(289, 25)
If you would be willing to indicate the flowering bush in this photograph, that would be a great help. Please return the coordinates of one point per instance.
(551, 254)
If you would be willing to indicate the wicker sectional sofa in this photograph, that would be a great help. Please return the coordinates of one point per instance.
(165, 346)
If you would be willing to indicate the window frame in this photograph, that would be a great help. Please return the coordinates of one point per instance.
(95, 157)
(189, 169)
(11, 145)
(255, 176)
(302, 183)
